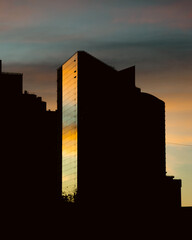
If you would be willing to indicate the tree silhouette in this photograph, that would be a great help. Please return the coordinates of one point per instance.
(70, 198)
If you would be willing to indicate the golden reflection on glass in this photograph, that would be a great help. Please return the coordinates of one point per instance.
(69, 126)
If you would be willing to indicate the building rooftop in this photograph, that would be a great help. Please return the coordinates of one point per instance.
(8, 73)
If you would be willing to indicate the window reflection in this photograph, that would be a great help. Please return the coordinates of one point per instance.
(69, 126)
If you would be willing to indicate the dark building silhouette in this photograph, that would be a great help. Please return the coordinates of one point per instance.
(112, 137)
(29, 143)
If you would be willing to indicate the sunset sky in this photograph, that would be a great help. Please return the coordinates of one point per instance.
(37, 36)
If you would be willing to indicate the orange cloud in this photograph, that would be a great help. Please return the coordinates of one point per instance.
(179, 102)
(179, 127)
(179, 139)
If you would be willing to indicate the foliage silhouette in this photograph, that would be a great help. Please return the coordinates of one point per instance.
(70, 198)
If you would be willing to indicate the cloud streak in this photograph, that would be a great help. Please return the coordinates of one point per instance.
(173, 15)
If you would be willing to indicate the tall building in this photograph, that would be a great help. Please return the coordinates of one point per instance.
(83, 84)
(29, 143)
(112, 137)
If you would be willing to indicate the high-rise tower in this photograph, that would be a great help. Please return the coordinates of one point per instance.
(112, 135)
(28, 144)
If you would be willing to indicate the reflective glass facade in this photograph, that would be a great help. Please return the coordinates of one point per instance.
(69, 126)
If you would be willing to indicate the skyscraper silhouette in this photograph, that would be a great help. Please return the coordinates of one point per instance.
(29, 143)
(112, 138)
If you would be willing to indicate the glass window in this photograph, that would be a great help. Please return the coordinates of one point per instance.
(69, 126)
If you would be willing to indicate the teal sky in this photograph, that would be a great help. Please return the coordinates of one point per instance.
(38, 36)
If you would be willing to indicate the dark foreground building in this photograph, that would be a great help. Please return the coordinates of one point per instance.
(112, 139)
(28, 143)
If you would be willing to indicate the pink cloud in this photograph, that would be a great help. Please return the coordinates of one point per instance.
(12, 14)
(177, 15)
(22, 13)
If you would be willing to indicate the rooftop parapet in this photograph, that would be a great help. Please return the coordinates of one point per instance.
(8, 73)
